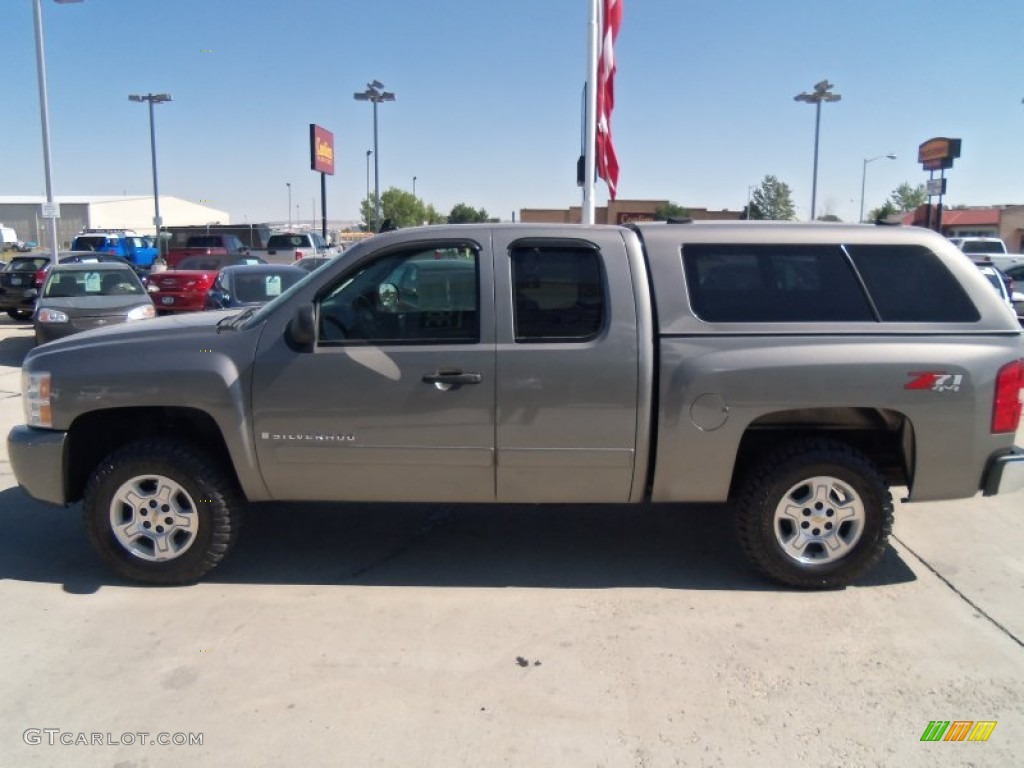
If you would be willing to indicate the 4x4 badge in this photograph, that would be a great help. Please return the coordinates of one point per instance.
(936, 381)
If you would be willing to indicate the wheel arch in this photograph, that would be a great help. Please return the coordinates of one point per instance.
(95, 435)
(884, 436)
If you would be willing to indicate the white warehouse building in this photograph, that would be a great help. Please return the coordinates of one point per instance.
(78, 212)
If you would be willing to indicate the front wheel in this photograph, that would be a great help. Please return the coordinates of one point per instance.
(161, 511)
(814, 514)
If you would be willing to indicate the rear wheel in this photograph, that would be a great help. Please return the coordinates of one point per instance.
(161, 511)
(814, 514)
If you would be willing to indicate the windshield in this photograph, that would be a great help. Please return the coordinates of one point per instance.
(89, 243)
(27, 265)
(94, 282)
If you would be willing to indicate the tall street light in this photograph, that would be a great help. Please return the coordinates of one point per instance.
(374, 93)
(863, 178)
(414, 186)
(289, 185)
(821, 93)
(368, 153)
(44, 113)
(151, 99)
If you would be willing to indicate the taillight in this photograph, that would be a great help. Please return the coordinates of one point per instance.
(40, 277)
(1007, 406)
(298, 254)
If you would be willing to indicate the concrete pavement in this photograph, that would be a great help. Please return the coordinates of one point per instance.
(449, 636)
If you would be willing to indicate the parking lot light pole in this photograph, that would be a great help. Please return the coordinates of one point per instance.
(44, 114)
(151, 99)
(821, 93)
(373, 93)
(289, 185)
(864, 176)
(368, 153)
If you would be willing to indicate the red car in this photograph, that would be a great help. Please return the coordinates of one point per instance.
(184, 289)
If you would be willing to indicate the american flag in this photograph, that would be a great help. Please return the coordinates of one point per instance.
(607, 163)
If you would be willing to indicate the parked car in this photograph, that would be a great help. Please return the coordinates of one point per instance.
(206, 245)
(288, 247)
(250, 285)
(184, 289)
(21, 280)
(80, 296)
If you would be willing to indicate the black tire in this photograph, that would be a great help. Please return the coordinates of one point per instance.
(19, 314)
(201, 501)
(778, 510)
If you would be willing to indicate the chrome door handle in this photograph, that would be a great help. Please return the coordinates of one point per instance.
(445, 380)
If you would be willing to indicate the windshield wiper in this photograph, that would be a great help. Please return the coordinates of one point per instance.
(231, 322)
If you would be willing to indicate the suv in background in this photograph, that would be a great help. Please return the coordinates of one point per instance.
(130, 246)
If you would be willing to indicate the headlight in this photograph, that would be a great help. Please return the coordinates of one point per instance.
(35, 390)
(141, 313)
(51, 316)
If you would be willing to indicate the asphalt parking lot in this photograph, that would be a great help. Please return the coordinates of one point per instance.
(540, 636)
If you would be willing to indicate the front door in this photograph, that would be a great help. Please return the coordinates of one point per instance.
(395, 402)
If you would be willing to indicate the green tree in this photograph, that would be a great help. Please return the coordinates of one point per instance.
(401, 208)
(906, 198)
(882, 212)
(666, 211)
(772, 200)
(466, 214)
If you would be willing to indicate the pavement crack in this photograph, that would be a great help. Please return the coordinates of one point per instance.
(438, 518)
(981, 611)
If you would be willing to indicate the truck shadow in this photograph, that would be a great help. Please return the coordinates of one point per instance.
(555, 547)
(14, 348)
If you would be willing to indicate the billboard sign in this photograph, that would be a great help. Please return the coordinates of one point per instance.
(938, 154)
(321, 149)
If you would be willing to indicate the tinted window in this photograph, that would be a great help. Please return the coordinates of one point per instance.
(262, 286)
(559, 293)
(773, 283)
(909, 283)
(27, 265)
(287, 241)
(417, 296)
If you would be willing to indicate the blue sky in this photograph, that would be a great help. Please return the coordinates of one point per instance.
(488, 99)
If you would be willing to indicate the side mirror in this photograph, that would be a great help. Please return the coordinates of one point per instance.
(301, 331)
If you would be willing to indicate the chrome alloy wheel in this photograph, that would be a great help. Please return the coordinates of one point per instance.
(154, 518)
(819, 520)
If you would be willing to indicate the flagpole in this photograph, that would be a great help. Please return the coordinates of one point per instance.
(591, 117)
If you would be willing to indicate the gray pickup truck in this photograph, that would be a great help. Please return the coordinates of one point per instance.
(795, 371)
(287, 247)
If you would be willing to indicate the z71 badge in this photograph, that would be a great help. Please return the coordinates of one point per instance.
(936, 381)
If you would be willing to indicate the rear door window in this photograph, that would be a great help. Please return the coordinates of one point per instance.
(558, 293)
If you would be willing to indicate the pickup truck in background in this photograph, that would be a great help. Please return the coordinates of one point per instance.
(206, 245)
(990, 250)
(286, 247)
(794, 371)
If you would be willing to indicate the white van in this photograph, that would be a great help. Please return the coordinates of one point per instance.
(8, 239)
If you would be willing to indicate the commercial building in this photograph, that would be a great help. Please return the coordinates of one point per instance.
(78, 212)
(617, 212)
(1003, 221)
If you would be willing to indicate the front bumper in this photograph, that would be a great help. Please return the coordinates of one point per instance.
(37, 459)
(1004, 473)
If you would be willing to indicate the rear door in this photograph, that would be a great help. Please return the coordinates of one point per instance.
(395, 402)
(568, 368)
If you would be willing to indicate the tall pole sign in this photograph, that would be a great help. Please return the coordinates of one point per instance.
(321, 151)
(934, 155)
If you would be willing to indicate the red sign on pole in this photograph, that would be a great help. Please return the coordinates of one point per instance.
(321, 149)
